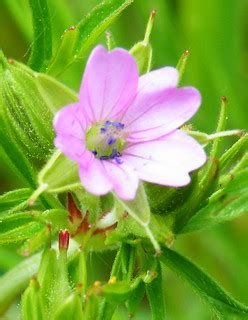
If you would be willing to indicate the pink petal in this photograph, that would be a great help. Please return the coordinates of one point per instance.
(155, 114)
(70, 121)
(168, 160)
(158, 80)
(94, 177)
(123, 178)
(109, 84)
(72, 147)
(69, 124)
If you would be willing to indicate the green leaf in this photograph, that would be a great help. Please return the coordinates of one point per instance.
(20, 233)
(155, 295)
(42, 38)
(226, 204)
(14, 198)
(76, 41)
(217, 298)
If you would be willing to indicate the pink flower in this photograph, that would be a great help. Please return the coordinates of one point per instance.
(125, 127)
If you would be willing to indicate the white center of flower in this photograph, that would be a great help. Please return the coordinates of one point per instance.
(106, 141)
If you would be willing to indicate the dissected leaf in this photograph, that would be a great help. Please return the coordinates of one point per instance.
(14, 198)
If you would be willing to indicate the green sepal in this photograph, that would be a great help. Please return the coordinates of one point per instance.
(140, 212)
(24, 111)
(31, 302)
(142, 51)
(60, 174)
(70, 309)
(53, 279)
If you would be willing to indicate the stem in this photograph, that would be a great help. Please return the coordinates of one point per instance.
(37, 193)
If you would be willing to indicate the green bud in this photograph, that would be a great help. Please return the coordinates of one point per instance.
(142, 51)
(28, 102)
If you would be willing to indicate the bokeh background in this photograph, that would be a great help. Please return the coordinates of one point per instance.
(216, 33)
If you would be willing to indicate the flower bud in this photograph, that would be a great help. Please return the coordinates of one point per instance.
(142, 51)
(64, 237)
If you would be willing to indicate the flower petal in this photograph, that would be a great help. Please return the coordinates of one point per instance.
(109, 84)
(94, 177)
(168, 160)
(124, 179)
(70, 121)
(155, 114)
(69, 124)
(158, 80)
(72, 147)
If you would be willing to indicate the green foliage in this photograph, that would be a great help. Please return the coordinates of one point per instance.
(221, 302)
(42, 44)
(77, 40)
(31, 217)
(227, 204)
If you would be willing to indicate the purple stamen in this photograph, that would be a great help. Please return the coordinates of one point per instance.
(111, 140)
(104, 130)
(94, 152)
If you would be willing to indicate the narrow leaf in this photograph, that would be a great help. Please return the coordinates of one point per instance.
(13, 198)
(155, 295)
(220, 301)
(42, 38)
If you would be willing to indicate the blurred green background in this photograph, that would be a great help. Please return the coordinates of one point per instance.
(216, 33)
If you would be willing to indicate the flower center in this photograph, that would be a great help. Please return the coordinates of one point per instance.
(106, 141)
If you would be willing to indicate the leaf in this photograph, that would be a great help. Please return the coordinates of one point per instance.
(14, 198)
(42, 38)
(219, 300)
(155, 295)
(76, 41)
(225, 205)
(20, 233)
